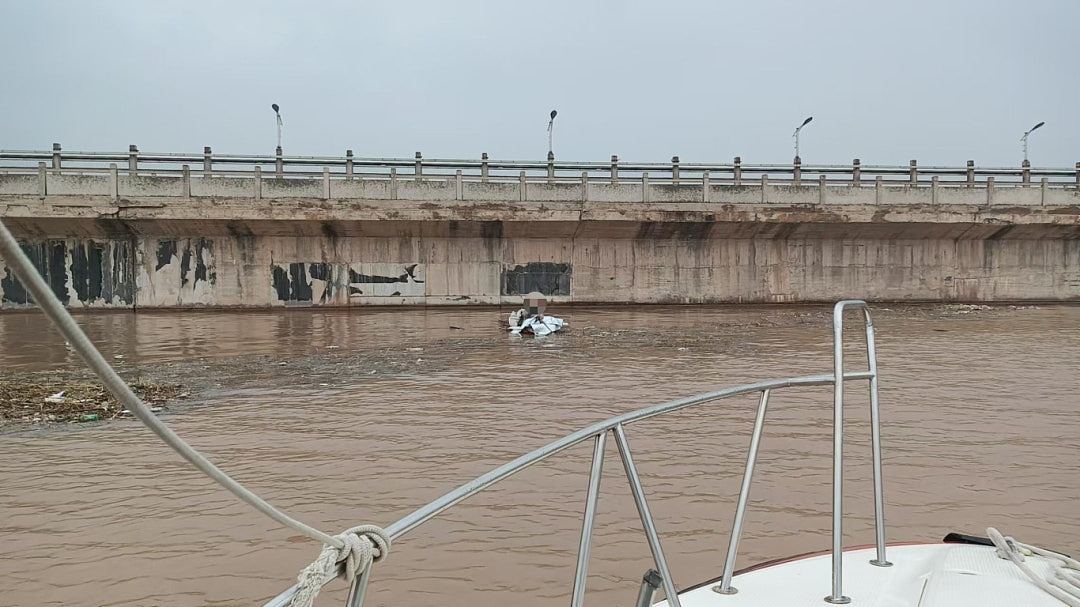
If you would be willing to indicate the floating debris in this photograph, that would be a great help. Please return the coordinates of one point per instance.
(29, 399)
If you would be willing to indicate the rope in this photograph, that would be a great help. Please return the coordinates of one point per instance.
(364, 545)
(358, 557)
(1063, 583)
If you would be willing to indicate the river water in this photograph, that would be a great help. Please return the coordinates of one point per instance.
(344, 418)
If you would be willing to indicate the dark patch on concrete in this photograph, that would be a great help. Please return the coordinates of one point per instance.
(95, 277)
(88, 270)
(294, 284)
(301, 287)
(491, 229)
(14, 291)
(408, 276)
(279, 278)
(683, 230)
(320, 271)
(57, 266)
(185, 263)
(97, 272)
(202, 249)
(166, 250)
(80, 274)
(546, 277)
(328, 229)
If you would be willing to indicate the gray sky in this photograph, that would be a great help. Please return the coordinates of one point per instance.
(886, 82)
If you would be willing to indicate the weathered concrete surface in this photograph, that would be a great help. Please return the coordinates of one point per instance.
(751, 244)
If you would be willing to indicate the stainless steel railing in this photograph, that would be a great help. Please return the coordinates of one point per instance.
(615, 426)
(135, 163)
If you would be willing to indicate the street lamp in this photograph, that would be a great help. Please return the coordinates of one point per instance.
(551, 129)
(796, 135)
(277, 112)
(1024, 139)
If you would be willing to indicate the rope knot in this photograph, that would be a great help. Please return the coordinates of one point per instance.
(362, 546)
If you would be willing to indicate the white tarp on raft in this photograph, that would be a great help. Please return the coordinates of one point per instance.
(536, 325)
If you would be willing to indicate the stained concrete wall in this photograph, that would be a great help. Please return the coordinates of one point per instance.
(755, 244)
(155, 271)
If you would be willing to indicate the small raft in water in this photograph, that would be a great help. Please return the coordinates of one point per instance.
(531, 318)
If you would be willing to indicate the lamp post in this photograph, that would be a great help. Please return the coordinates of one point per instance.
(277, 112)
(551, 129)
(1024, 139)
(796, 136)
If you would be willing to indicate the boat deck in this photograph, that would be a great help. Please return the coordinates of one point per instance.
(922, 575)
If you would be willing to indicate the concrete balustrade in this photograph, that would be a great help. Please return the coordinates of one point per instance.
(57, 183)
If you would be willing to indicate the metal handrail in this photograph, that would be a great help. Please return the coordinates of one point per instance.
(615, 426)
(691, 173)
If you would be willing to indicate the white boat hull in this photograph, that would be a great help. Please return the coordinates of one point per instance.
(922, 575)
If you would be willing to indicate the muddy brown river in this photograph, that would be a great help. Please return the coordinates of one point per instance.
(343, 418)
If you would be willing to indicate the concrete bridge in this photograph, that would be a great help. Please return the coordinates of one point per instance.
(173, 230)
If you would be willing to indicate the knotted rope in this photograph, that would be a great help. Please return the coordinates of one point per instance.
(1064, 581)
(361, 546)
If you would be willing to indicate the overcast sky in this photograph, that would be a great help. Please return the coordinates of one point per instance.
(938, 81)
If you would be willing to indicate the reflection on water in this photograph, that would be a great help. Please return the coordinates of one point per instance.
(981, 427)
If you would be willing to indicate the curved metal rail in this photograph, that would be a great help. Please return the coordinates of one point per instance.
(598, 432)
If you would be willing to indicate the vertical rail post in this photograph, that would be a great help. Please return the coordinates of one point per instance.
(646, 517)
(258, 182)
(585, 543)
(645, 187)
(970, 174)
(1078, 175)
(856, 173)
(1025, 173)
(348, 165)
(207, 161)
(584, 186)
(133, 160)
(796, 171)
(649, 583)
(875, 445)
(484, 167)
(674, 170)
(837, 595)
(614, 169)
(326, 183)
(913, 173)
(359, 589)
(114, 181)
(705, 186)
(725, 586)
(736, 169)
(522, 193)
(551, 167)
(934, 183)
(419, 167)
(42, 180)
(459, 187)
(185, 180)
(279, 163)
(56, 155)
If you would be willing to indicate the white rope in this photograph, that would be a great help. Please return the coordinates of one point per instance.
(355, 544)
(364, 545)
(1064, 581)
